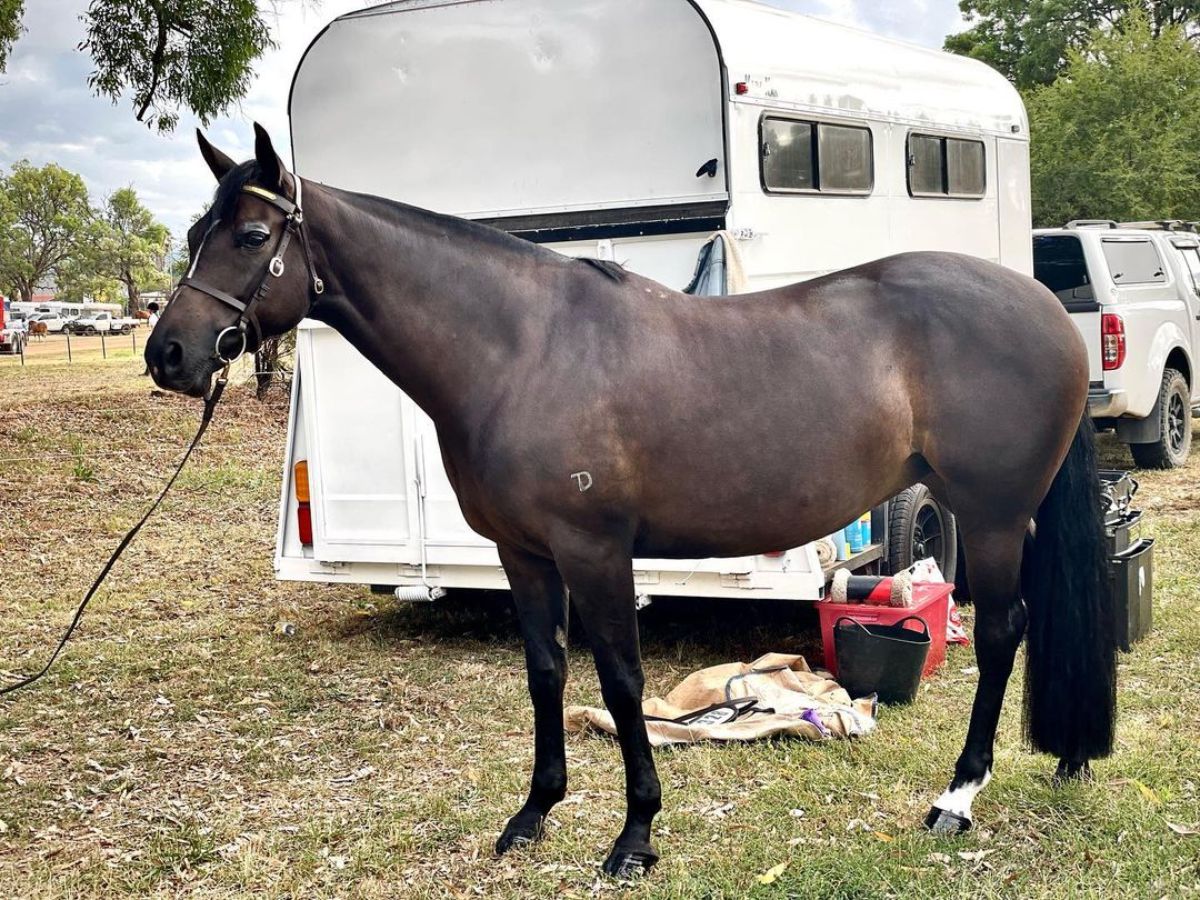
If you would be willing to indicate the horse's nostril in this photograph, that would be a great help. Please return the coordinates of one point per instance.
(173, 356)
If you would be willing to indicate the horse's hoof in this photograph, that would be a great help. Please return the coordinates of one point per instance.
(1069, 771)
(941, 821)
(630, 862)
(518, 834)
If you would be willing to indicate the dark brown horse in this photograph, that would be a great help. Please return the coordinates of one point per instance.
(706, 427)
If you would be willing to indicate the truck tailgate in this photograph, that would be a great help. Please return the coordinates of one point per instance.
(1088, 324)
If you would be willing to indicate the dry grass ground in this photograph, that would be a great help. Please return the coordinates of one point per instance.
(184, 747)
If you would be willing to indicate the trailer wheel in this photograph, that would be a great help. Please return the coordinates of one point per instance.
(919, 527)
(125, 329)
(1174, 443)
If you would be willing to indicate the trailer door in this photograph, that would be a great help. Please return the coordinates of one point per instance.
(1013, 200)
(361, 446)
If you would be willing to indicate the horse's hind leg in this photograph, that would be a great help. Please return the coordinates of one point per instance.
(994, 574)
(542, 610)
(600, 579)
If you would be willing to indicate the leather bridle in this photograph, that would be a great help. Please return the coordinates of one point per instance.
(294, 224)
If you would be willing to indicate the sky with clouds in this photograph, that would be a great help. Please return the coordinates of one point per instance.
(48, 114)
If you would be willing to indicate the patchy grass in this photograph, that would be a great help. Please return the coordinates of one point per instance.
(184, 746)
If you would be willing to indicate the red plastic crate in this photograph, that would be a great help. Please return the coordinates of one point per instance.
(929, 603)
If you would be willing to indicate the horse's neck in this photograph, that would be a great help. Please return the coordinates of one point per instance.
(438, 312)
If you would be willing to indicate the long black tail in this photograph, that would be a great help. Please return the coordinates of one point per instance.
(1071, 665)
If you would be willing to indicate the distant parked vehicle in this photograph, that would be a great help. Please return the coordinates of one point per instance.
(54, 322)
(1133, 291)
(102, 323)
(12, 338)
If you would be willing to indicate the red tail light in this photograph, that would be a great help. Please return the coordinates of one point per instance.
(1112, 341)
(303, 510)
(304, 524)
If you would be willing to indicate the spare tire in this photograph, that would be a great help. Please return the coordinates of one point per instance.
(920, 527)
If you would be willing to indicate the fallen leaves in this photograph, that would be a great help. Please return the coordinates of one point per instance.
(1143, 789)
(772, 874)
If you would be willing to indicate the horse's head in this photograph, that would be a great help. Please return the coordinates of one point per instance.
(249, 276)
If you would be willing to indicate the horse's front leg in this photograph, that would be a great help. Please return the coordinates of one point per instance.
(542, 610)
(599, 575)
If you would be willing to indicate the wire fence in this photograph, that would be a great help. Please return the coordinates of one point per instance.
(243, 373)
(72, 348)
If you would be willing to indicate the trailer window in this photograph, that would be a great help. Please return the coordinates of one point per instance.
(965, 174)
(788, 161)
(844, 159)
(925, 165)
(816, 157)
(946, 167)
(1133, 262)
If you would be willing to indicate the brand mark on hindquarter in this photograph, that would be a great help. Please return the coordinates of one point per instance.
(583, 479)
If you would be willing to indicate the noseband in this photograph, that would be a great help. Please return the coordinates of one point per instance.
(294, 224)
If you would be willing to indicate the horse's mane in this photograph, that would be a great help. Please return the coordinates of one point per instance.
(607, 267)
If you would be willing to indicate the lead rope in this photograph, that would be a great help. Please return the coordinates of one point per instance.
(210, 406)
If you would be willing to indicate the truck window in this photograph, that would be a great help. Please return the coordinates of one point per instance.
(1133, 262)
(816, 157)
(1059, 264)
(946, 167)
(1191, 256)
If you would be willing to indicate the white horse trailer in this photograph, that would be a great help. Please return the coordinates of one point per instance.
(628, 130)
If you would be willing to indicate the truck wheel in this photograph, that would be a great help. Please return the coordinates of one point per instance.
(919, 527)
(90, 330)
(1175, 426)
(125, 329)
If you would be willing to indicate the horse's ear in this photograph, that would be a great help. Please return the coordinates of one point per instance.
(270, 166)
(220, 164)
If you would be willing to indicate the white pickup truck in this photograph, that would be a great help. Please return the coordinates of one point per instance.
(1133, 291)
(105, 322)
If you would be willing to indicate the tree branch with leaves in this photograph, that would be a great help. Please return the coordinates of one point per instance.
(1030, 41)
(167, 56)
(174, 54)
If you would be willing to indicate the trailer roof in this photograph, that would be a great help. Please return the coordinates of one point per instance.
(793, 60)
(814, 64)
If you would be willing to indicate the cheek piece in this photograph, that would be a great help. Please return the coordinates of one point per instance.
(246, 328)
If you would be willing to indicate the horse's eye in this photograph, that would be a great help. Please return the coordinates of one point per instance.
(254, 239)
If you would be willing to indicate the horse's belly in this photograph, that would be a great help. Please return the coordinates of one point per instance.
(782, 491)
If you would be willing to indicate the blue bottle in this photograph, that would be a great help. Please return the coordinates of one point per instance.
(839, 543)
(854, 537)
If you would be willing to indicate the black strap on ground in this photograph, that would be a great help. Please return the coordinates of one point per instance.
(209, 406)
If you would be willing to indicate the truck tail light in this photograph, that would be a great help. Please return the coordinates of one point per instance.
(303, 510)
(1112, 341)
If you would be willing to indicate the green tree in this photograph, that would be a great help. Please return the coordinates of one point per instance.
(83, 274)
(1116, 136)
(1030, 40)
(45, 212)
(10, 27)
(167, 55)
(132, 247)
